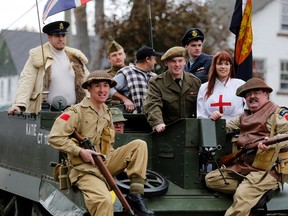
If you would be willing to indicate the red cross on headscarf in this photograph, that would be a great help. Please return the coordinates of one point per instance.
(221, 104)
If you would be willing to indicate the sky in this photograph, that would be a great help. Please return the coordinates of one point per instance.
(22, 14)
(19, 14)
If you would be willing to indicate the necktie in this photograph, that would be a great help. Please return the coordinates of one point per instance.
(177, 80)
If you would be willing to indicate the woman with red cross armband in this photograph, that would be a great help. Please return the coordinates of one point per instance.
(217, 97)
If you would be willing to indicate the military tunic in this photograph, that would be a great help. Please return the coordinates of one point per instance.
(98, 128)
(252, 182)
(167, 102)
(200, 67)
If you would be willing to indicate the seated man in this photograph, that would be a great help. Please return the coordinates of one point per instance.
(246, 177)
(173, 94)
(92, 119)
(132, 81)
(118, 120)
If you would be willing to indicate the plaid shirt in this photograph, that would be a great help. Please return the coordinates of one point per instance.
(137, 81)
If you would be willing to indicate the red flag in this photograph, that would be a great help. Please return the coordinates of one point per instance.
(241, 26)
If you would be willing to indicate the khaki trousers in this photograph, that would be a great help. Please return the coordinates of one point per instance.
(247, 191)
(132, 158)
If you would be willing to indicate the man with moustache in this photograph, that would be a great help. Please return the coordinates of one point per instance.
(245, 177)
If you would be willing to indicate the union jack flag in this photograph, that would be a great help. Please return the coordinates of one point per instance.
(55, 6)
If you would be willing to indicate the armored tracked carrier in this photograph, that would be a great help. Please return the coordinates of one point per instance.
(178, 161)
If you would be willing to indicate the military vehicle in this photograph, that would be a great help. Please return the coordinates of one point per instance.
(178, 161)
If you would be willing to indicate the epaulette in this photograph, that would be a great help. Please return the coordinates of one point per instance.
(283, 111)
(72, 108)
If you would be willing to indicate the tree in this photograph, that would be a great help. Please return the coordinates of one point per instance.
(170, 21)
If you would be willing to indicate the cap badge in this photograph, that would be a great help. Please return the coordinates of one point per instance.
(194, 33)
(61, 26)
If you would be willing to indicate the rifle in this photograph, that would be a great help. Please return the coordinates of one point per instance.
(228, 159)
(86, 144)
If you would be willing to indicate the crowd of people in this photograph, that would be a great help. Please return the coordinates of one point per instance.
(195, 85)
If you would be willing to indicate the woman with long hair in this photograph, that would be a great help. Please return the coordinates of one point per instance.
(217, 97)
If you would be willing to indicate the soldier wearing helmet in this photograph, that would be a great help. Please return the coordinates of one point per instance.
(255, 172)
(92, 119)
(199, 63)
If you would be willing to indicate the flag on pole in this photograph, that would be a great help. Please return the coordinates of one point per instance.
(241, 26)
(55, 6)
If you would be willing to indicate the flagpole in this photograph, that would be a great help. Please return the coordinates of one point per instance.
(150, 22)
(39, 26)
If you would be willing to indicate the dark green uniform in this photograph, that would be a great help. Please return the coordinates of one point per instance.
(167, 102)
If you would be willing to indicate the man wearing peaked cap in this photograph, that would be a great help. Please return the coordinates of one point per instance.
(258, 163)
(60, 73)
(132, 81)
(171, 95)
(199, 63)
(93, 120)
(116, 56)
(56, 28)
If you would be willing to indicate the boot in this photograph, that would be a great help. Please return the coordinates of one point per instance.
(137, 204)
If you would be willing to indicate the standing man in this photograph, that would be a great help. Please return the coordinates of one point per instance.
(249, 177)
(53, 68)
(172, 94)
(199, 63)
(132, 81)
(116, 56)
(92, 119)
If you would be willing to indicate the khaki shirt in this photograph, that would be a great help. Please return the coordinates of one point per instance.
(94, 126)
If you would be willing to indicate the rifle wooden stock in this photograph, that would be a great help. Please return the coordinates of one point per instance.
(228, 159)
(86, 144)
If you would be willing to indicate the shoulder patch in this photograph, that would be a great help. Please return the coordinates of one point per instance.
(64, 116)
(283, 111)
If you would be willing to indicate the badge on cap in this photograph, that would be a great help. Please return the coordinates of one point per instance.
(194, 33)
(61, 26)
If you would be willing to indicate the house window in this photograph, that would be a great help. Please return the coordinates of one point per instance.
(259, 68)
(284, 22)
(284, 76)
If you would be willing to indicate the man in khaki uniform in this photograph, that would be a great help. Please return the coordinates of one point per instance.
(116, 56)
(246, 176)
(53, 68)
(92, 119)
(168, 100)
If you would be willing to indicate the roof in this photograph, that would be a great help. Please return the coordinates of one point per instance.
(19, 43)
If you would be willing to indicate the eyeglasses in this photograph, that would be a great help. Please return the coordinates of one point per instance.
(253, 92)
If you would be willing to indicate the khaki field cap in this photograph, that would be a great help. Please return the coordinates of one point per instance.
(117, 115)
(252, 84)
(113, 46)
(99, 75)
(176, 51)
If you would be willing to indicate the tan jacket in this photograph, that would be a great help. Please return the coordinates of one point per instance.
(31, 83)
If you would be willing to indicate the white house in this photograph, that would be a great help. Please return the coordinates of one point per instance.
(270, 47)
